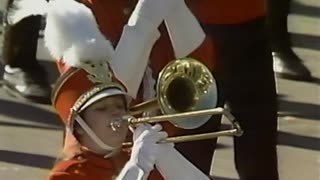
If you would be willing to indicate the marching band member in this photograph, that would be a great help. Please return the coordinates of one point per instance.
(181, 36)
(154, 32)
(89, 96)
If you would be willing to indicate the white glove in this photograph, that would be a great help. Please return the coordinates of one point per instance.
(146, 151)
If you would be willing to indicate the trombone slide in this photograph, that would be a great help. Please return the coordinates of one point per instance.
(235, 131)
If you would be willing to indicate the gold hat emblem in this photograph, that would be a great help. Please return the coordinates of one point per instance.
(98, 71)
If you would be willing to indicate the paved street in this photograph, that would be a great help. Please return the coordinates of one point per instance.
(30, 134)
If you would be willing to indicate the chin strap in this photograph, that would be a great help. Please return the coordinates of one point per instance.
(94, 137)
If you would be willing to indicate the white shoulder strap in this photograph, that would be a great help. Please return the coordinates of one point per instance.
(185, 32)
(173, 166)
(132, 172)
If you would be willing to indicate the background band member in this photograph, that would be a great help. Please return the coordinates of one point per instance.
(245, 78)
(23, 75)
(287, 63)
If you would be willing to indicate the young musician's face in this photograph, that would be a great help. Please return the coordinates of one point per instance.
(99, 116)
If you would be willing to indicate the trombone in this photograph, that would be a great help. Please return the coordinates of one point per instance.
(187, 97)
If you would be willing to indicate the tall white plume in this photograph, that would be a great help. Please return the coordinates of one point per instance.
(71, 30)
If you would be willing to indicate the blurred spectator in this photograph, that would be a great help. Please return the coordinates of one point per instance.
(23, 75)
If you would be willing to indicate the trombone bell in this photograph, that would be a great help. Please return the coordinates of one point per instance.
(187, 97)
(183, 85)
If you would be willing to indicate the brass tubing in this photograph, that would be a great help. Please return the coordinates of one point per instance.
(196, 137)
(144, 107)
(160, 118)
